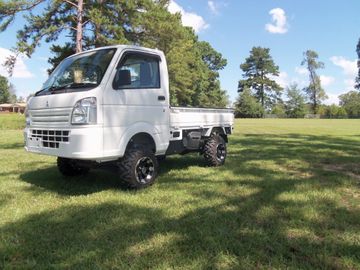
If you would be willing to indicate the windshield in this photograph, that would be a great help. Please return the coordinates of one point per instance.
(85, 70)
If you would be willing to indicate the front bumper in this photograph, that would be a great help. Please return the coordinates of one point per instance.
(84, 142)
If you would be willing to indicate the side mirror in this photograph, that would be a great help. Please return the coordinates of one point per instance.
(122, 78)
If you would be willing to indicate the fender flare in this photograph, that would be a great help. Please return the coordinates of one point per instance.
(210, 130)
(139, 127)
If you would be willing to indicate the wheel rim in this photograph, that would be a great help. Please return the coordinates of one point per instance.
(220, 152)
(144, 170)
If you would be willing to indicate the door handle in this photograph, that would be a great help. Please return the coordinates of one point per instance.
(161, 98)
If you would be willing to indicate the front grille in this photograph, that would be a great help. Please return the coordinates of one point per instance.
(50, 138)
(50, 117)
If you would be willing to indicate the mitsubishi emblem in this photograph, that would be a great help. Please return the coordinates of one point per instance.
(47, 104)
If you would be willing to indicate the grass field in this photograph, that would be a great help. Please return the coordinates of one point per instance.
(11, 121)
(287, 198)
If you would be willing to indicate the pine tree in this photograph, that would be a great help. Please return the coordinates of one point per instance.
(58, 16)
(314, 91)
(193, 65)
(357, 80)
(258, 69)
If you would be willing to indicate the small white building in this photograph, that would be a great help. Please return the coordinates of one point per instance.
(14, 107)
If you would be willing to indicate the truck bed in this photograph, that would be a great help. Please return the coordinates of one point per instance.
(193, 118)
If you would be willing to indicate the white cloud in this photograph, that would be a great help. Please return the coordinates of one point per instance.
(301, 70)
(279, 25)
(326, 80)
(332, 99)
(282, 79)
(213, 8)
(20, 69)
(349, 84)
(349, 67)
(188, 18)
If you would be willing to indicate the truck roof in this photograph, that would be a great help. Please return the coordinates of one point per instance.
(134, 47)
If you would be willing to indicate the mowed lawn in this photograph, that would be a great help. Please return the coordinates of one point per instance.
(287, 198)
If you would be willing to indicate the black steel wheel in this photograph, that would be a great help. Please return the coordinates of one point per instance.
(144, 170)
(215, 150)
(138, 168)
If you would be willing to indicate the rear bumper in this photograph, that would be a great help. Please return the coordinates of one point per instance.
(76, 143)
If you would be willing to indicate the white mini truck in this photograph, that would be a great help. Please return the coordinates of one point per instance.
(111, 104)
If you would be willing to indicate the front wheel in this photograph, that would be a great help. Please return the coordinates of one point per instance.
(215, 151)
(139, 167)
(69, 167)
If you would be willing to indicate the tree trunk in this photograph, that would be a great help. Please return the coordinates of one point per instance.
(79, 27)
(262, 94)
(314, 90)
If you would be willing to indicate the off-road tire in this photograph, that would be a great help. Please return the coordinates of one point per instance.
(138, 168)
(215, 151)
(68, 167)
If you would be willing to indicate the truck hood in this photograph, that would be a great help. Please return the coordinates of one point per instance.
(61, 100)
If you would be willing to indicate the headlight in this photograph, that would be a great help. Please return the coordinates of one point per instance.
(84, 112)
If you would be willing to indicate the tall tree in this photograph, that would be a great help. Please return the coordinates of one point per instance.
(259, 68)
(208, 92)
(4, 90)
(295, 105)
(357, 81)
(314, 91)
(193, 65)
(58, 16)
(246, 105)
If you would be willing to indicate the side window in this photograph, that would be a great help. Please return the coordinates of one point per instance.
(137, 71)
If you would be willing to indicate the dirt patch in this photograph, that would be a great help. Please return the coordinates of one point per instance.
(351, 170)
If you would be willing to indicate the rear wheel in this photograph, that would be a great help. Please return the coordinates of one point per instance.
(69, 167)
(215, 150)
(139, 167)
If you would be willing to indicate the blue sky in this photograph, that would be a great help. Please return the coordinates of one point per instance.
(233, 27)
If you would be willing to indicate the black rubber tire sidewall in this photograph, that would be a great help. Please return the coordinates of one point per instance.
(127, 166)
(210, 150)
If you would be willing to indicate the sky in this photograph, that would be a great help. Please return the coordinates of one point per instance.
(233, 27)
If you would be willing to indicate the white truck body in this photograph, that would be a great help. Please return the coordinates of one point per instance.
(121, 114)
(118, 99)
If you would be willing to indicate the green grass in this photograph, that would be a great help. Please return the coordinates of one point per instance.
(12, 121)
(287, 198)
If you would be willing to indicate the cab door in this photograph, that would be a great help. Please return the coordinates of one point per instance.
(138, 97)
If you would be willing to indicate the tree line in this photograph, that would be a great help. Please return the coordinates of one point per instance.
(193, 65)
(260, 94)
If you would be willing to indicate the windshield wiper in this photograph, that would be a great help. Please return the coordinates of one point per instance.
(52, 88)
(43, 90)
(72, 85)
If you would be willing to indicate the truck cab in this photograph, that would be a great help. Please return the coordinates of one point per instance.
(111, 104)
